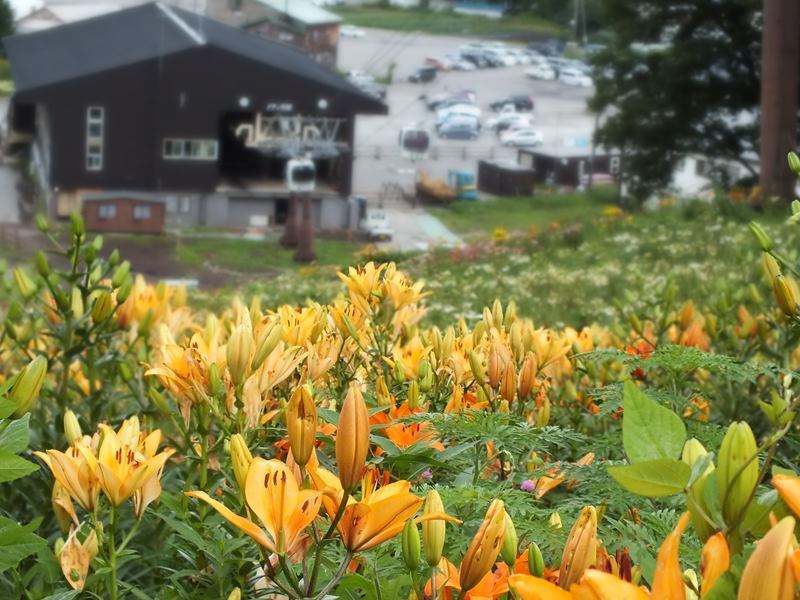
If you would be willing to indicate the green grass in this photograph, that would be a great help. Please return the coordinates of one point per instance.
(520, 214)
(447, 23)
(250, 256)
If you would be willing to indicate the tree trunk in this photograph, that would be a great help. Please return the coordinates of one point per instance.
(305, 238)
(780, 61)
(289, 238)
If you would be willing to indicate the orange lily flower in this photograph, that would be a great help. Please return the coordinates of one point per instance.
(668, 577)
(273, 495)
(715, 560)
(73, 471)
(789, 489)
(380, 515)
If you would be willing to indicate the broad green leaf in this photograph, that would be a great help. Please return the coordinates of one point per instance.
(14, 438)
(652, 478)
(185, 531)
(776, 470)
(7, 407)
(16, 543)
(711, 499)
(649, 431)
(756, 518)
(13, 467)
(699, 468)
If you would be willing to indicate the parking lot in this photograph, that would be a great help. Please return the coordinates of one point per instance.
(560, 113)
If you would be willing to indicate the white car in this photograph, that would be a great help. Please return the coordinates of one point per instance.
(521, 56)
(360, 77)
(351, 31)
(523, 137)
(506, 121)
(458, 109)
(376, 225)
(575, 77)
(540, 71)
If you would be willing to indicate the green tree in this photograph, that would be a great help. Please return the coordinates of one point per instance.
(678, 78)
(6, 19)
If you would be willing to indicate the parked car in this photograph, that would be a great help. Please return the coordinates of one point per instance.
(493, 58)
(523, 137)
(459, 63)
(503, 122)
(351, 31)
(422, 75)
(440, 64)
(458, 109)
(458, 130)
(373, 89)
(376, 225)
(540, 71)
(475, 57)
(520, 102)
(575, 77)
(520, 56)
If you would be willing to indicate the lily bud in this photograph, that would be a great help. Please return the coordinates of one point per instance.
(768, 573)
(240, 459)
(29, 382)
(102, 307)
(76, 303)
(535, 560)
(120, 274)
(508, 551)
(382, 395)
(433, 531)
(352, 439)
(72, 429)
(527, 375)
(771, 266)
(693, 451)
(542, 417)
(239, 349)
(413, 395)
(78, 226)
(25, 285)
(301, 424)
(476, 365)
(764, 241)
(410, 545)
(124, 290)
(485, 546)
(794, 162)
(555, 520)
(480, 328)
(580, 551)
(785, 290)
(505, 407)
(494, 368)
(42, 265)
(399, 372)
(497, 314)
(737, 450)
(425, 376)
(508, 386)
(266, 343)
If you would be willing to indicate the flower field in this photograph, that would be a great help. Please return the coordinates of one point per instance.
(600, 410)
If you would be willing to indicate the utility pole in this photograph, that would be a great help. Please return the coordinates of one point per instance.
(780, 71)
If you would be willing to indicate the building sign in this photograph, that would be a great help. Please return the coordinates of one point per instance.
(292, 135)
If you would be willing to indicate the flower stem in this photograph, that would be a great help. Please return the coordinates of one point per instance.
(112, 553)
(336, 578)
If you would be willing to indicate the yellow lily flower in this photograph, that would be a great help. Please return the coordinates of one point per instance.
(284, 510)
(124, 466)
(75, 473)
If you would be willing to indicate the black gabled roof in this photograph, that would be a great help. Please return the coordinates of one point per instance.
(146, 32)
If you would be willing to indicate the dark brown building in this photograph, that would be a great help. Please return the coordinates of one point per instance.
(123, 214)
(184, 110)
(568, 165)
(298, 22)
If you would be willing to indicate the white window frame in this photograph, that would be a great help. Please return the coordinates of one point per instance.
(190, 149)
(94, 141)
(106, 212)
(142, 207)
